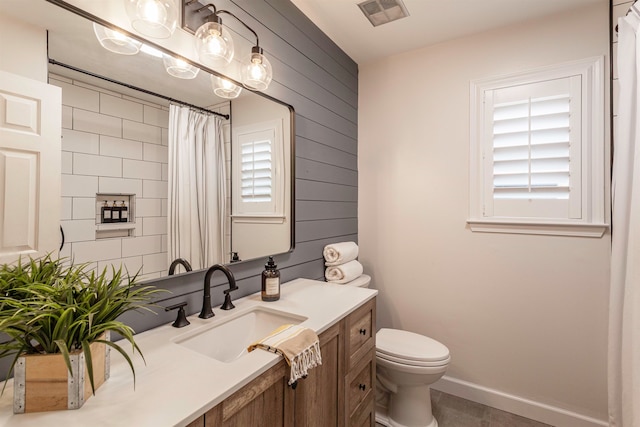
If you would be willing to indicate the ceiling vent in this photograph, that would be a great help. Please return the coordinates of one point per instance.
(380, 12)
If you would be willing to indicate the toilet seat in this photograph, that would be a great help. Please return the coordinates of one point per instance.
(409, 348)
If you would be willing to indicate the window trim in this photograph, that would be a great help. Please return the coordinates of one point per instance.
(593, 222)
(259, 211)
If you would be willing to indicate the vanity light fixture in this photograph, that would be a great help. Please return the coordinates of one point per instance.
(153, 18)
(214, 43)
(215, 48)
(179, 68)
(115, 41)
(225, 88)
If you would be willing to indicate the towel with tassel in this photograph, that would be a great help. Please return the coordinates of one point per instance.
(344, 273)
(299, 346)
(340, 253)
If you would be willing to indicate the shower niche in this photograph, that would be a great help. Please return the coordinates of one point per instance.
(115, 215)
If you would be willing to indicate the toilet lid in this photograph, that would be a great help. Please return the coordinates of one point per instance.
(396, 344)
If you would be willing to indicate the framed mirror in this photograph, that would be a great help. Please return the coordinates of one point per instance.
(121, 201)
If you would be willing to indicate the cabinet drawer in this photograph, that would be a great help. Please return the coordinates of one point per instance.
(360, 383)
(360, 333)
(365, 415)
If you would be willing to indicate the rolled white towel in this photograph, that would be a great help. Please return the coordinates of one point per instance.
(343, 273)
(340, 253)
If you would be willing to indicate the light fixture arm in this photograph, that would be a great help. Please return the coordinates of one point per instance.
(240, 21)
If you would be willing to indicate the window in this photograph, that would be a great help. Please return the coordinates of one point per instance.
(537, 152)
(258, 181)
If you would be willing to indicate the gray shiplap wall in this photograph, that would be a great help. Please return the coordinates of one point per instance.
(321, 82)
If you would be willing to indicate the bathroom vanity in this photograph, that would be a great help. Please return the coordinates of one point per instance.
(194, 377)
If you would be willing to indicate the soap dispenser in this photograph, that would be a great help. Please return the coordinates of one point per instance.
(270, 281)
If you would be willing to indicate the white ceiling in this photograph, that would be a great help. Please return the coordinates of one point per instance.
(430, 22)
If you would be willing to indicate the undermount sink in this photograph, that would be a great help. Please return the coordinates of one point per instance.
(227, 339)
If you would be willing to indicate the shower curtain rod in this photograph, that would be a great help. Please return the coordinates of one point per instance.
(127, 85)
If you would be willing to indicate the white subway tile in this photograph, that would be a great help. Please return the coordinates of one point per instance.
(154, 189)
(78, 97)
(116, 106)
(155, 153)
(156, 117)
(164, 137)
(120, 185)
(58, 77)
(81, 230)
(67, 162)
(87, 164)
(164, 207)
(67, 117)
(141, 132)
(104, 249)
(80, 142)
(147, 207)
(165, 172)
(150, 276)
(96, 88)
(130, 266)
(65, 208)
(144, 245)
(118, 147)
(165, 243)
(84, 208)
(141, 169)
(143, 101)
(97, 123)
(79, 185)
(155, 263)
(154, 225)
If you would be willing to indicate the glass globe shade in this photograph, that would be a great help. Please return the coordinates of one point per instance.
(225, 88)
(153, 18)
(257, 74)
(179, 68)
(214, 45)
(115, 41)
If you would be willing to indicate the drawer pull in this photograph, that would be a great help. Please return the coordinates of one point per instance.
(362, 387)
(363, 332)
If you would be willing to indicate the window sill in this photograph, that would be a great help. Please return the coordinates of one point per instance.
(258, 219)
(542, 228)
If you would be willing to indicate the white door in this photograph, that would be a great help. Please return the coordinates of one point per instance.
(30, 136)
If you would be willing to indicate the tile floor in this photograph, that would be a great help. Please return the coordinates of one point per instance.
(453, 411)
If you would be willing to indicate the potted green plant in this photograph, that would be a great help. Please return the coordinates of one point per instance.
(64, 312)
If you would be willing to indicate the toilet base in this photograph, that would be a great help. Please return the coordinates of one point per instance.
(409, 407)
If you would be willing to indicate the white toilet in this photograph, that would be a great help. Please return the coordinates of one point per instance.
(407, 364)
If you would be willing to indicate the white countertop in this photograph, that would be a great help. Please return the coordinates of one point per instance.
(177, 385)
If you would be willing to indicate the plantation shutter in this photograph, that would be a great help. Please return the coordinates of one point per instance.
(533, 161)
(257, 171)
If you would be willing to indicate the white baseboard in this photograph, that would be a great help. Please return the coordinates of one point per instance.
(516, 405)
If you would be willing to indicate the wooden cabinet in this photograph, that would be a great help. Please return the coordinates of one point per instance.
(360, 362)
(340, 392)
(318, 397)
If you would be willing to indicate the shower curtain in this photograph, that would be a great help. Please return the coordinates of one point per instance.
(624, 305)
(197, 187)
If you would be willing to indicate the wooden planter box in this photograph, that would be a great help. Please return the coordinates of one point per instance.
(42, 382)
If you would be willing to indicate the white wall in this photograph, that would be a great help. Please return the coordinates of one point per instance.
(23, 49)
(522, 315)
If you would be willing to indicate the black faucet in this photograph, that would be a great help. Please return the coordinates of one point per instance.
(207, 312)
(181, 261)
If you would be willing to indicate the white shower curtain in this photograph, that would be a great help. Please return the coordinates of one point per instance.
(624, 305)
(197, 187)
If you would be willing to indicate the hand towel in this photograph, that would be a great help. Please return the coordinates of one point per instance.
(344, 273)
(299, 346)
(340, 253)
